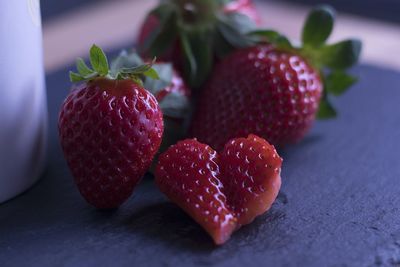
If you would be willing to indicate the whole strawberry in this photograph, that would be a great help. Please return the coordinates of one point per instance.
(222, 191)
(275, 90)
(110, 128)
(193, 33)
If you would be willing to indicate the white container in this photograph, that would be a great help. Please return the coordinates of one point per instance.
(23, 115)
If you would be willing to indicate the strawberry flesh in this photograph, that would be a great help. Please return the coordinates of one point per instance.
(251, 176)
(188, 174)
(222, 191)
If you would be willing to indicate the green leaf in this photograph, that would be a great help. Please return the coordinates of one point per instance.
(125, 60)
(233, 36)
(221, 46)
(151, 73)
(165, 73)
(136, 70)
(338, 82)
(269, 35)
(240, 22)
(326, 110)
(98, 60)
(198, 56)
(82, 68)
(341, 55)
(273, 37)
(75, 77)
(175, 105)
(190, 61)
(164, 36)
(318, 26)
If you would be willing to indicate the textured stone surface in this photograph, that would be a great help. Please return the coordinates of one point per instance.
(339, 204)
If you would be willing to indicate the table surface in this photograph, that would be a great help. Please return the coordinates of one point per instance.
(339, 204)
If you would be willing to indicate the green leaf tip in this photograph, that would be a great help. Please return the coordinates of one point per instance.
(98, 60)
(341, 55)
(125, 66)
(326, 110)
(318, 26)
(331, 60)
(338, 82)
(271, 36)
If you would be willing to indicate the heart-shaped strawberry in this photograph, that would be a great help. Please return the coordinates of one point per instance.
(222, 191)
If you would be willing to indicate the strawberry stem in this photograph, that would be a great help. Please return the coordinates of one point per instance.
(197, 12)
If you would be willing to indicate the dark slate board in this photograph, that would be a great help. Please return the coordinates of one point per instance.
(339, 204)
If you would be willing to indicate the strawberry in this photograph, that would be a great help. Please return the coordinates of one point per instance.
(275, 90)
(193, 33)
(223, 191)
(188, 174)
(110, 128)
(171, 92)
(251, 170)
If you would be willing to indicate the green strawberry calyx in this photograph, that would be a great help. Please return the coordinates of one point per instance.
(100, 68)
(154, 77)
(174, 104)
(331, 60)
(203, 30)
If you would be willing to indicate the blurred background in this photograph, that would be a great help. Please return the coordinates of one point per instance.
(114, 23)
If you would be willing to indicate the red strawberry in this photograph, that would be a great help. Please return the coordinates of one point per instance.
(269, 93)
(274, 90)
(223, 24)
(171, 92)
(251, 170)
(110, 128)
(221, 192)
(188, 174)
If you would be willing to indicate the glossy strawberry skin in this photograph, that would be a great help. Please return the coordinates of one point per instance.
(250, 169)
(109, 132)
(270, 93)
(187, 173)
(222, 191)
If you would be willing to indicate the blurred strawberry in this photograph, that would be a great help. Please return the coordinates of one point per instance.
(191, 33)
(276, 90)
(110, 128)
(188, 174)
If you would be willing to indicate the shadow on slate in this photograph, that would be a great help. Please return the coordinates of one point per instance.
(339, 204)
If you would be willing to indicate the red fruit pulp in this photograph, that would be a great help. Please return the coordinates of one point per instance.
(222, 191)
(188, 174)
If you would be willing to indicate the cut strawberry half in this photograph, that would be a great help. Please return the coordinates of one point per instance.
(251, 170)
(222, 191)
(188, 173)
